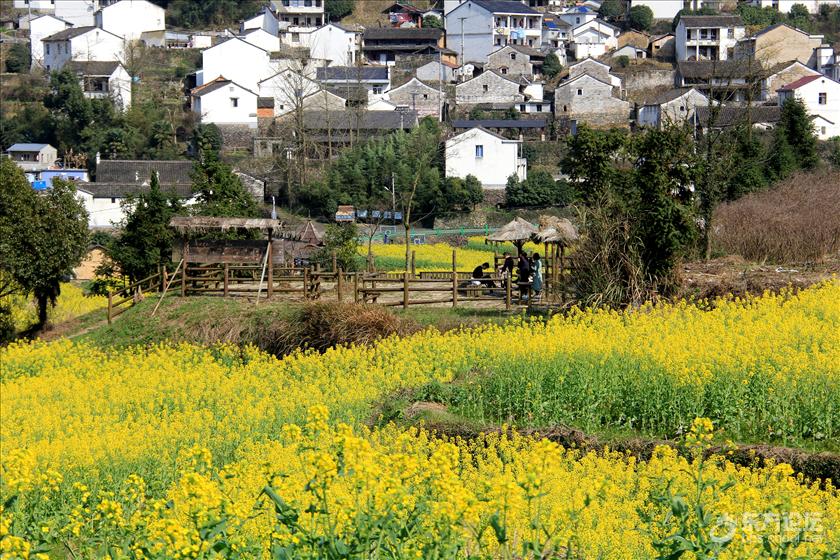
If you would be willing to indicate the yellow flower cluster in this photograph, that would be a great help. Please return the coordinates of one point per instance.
(124, 443)
(71, 303)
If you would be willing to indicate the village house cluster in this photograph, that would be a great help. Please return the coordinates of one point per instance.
(287, 69)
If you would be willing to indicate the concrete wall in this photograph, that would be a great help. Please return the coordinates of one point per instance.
(419, 97)
(95, 45)
(236, 60)
(334, 44)
(498, 161)
(78, 12)
(38, 29)
(120, 86)
(589, 100)
(477, 36)
(781, 44)
(262, 39)
(508, 58)
(130, 18)
(497, 90)
(217, 107)
(770, 86)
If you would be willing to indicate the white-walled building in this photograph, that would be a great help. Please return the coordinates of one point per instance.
(78, 12)
(813, 6)
(131, 18)
(287, 88)
(262, 39)
(593, 39)
(39, 5)
(304, 14)
(662, 9)
(478, 27)
(32, 157)
(81, 43)
(671, 107)
(237, 60)
(828, 62)
(264, 20)
(578, 15)
(821, 96)
(336, 43)
(224, 102)
(104, 80)
(489, 157)
(708, 37)
(40, 28)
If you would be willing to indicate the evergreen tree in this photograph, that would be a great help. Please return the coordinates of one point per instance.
(749, 173)
(338, 9)
(640, 18)
(783, 161)
(552, 66)
(220, 191)
(799, 132)
(611, 9)
(145, 241)
(42, 235)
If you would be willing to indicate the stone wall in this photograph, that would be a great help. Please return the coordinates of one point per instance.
(596, 105)
(501, 59)
(648, 79)
(237, 137)
(497, 90)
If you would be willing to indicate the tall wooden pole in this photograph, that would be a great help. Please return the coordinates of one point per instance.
(405, 290)
(339, 280)
(454, 280)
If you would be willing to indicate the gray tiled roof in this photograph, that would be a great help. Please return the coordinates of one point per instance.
(352, 73)
(729, 116)
(500, 123)
(718, 68)
(122, 190)
(506, 6)
(366, 120)
(93, 68)
(712, 21)
(408, 34)
(137, 172)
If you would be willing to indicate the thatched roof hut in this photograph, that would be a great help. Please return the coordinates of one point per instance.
(206, 224)
(517, 232)
(554, 230)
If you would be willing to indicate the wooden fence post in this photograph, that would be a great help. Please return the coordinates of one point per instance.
(110, 305)
(413, 263)
(186, 257)
(164, 278)
(305, 283)
(270, 269)
(405, 290)
(334, 262)
(226, 273)
(339, 280)
(454, 280)
(356, 287)
(507, 292)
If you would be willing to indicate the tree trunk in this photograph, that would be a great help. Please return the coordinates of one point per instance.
(43, 302)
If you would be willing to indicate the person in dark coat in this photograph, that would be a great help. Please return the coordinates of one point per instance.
(507, 267)
(478, 272)
(524, 270)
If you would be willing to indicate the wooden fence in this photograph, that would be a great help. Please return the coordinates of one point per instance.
(383, 288)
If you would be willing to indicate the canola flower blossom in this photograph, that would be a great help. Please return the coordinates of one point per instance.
(71, 303)
(176, 449)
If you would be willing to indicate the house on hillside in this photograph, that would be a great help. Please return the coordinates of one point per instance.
(237, 60)
(225, 102)
(596, 69)
(436, 71)
(821, 96)
(479, 27)
(116, 180)
(780, 43)
(262, 39)
(672, 106)
(339, 44)
(782, 75)
(516, 60)
(578, 15)
(722, 80)
(104, 80)
(828, 62)
(489, 87)
(286, 89)
(81, 43)
(590, 99)
(593, 38)
(416, 96)
(488, 156)
(382, 45)
(32, 157)
(129, 19)
(509, 128)
(663, 46)
(631, 52)
(762, 117)
(555, 34)
(375, 79)
(402, 14)
(265, 20)
(40, 28)
(80, 13)
(708, 37)
(301, 15)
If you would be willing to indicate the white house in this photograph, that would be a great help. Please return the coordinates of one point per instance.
(131, 18)
(104, 80)
(630, 51)
(821, 96)
(708, 37)
(78, 12)
(813, 6)
(305, 15)
(436, 71)
(578, 15)
(476, 28)
(672, 106)
(81, 43)
(265, 20)
(39, 5)
(771, 83)
(238, 61)
(593, 39)
(489, 157)
(375, 79)
(224, 102)
(336, 43)
(662, 9)
(287, 88)
(40, 28)
(33, 157)
(262, 39)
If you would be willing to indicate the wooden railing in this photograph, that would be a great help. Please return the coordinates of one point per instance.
(120, 301)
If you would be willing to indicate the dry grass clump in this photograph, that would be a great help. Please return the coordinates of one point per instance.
(320, 326)
(795, 221)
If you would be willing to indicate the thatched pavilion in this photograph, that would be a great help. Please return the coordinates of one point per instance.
(517, 231)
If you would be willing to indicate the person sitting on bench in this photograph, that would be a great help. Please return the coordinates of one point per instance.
(478, 274)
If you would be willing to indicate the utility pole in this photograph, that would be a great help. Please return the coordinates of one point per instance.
(440, 85)
(462, 47)
(393, 198)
